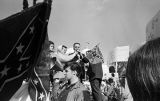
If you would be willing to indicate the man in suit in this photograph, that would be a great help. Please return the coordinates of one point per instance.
(80, 58)
(95, 74)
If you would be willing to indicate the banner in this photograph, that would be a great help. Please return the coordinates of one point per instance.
(21, 40)
(95, 55)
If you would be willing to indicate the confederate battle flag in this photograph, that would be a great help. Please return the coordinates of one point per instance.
(22, 36)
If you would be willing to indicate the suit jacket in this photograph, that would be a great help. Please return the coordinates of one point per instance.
(82, 58)
(82, 61)
(95, 71)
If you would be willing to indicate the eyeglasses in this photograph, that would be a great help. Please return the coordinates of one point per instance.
(77, 47)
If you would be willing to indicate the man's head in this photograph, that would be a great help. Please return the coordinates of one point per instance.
(110, 80)
(64, 49)
(72, 70)
(143, 72)
(89, 54)
(76, 47)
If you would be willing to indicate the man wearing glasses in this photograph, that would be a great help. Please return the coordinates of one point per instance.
(80, 58)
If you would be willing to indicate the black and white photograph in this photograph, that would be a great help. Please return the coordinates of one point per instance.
(80, 50)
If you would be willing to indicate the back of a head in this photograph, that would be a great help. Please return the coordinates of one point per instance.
(143, 72)
(112, 69)
(110, 80)
(74, 66)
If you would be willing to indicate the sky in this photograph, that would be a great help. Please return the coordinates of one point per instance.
(111, 23)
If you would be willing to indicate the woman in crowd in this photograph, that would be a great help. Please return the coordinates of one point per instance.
(143, 72)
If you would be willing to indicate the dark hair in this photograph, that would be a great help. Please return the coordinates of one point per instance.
(112, 69)
(143, 72)
(64, 46)
(110, 80)
(76, 43)
(74, 66)
(51, 42)
(113, 75)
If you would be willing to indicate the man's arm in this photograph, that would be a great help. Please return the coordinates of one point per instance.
(66, 58)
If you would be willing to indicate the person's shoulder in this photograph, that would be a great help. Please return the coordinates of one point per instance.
(83, 91)
(82, 87)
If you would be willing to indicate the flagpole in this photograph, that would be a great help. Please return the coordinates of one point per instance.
(25, 4)
(47, 15)
(34, 2)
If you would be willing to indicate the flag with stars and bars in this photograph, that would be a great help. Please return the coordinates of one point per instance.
(38, 85)
(95, 55)
(21, 40)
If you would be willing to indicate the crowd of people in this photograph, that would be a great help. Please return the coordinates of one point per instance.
(141, 81)
(64, 76)
(67, 75)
